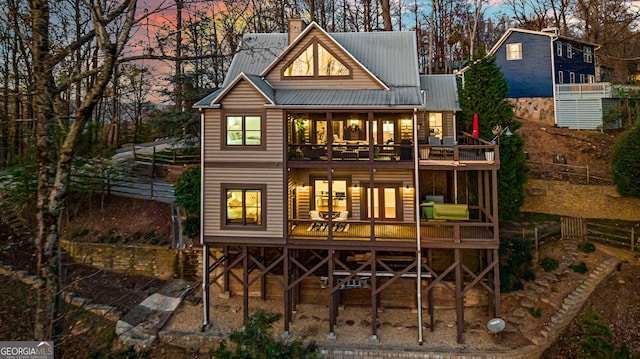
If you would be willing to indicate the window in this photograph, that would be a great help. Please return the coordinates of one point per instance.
(572, 77)
(582, 79)
(560, 77)
(244, 206)
(559, 48)
(591, 79)
(569, 51)
(316, 61)
(514, 51)
(338, 197)
(243, 130)
(587, 54)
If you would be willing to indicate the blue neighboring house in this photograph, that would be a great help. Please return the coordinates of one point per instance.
(533, 61)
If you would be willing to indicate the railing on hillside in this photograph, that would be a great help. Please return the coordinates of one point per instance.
(563, 172)
(167, 157)
(121, 185)
(613, 233)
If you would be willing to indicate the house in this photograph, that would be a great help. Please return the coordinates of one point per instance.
(319, 175)
(552, 73)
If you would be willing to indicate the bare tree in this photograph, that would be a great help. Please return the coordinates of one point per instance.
(112, 23)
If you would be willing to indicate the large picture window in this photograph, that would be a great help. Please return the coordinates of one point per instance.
(316, 61)
(243, 130)
(244, 206)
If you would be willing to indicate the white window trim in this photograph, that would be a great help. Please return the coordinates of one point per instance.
(572, 77)
(514, 55)
(560, 77)
(569, 51)
(559, 49)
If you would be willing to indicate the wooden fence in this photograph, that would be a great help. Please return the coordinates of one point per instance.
(538, 233)
(612, 233)
(167, 157)
(571, 173)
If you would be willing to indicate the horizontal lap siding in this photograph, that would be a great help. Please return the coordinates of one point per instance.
(263, 167)
(579, 114)
(360, 80)
(273, 213)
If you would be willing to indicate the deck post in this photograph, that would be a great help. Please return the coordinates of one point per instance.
(286, 297)
(496, 282)
(459, 296)
(205, 286)
(374, 299)
(430, 292)
(332, 299)
(245, 284)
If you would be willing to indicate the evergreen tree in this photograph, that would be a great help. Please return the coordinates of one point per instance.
(625, 163)
(484, 93)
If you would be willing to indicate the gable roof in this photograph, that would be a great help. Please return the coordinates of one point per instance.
(389, 57)
(256, 81)
(441, 92)
(551, 33)
(307, 30)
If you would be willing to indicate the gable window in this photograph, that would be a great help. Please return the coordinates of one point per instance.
(243, 130)
(587, 54)
(559, 48)
(316, 61)
(560, 77)
(514, 51)
(569, 51)
(244, 206)
(572, 77)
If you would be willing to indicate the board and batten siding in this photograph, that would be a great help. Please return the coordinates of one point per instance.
(212, 195)
(360, 79)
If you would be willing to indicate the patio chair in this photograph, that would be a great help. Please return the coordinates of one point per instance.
(342, 216)
(448, 141)
(315, 216)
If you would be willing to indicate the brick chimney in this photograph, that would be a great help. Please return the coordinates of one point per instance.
(295, 28)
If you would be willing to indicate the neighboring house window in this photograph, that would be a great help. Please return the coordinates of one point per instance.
(587, 54)
(559, 48)
(591, 79)
(582, 79)
(569, 51)
(514, 51)
(316, 61)
(560, 77)
(572, 77)
(244, 206)
(243, 130)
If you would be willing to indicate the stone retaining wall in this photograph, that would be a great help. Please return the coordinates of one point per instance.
(159, 262)
(535, 109)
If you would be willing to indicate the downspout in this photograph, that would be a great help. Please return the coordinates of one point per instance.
(205, 249)
(416, 190)
(553, 78)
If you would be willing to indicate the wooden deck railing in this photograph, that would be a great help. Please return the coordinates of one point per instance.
(459, 232)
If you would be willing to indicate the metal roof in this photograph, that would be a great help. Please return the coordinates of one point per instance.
(400, 96)
(390, 56)
(441, 92)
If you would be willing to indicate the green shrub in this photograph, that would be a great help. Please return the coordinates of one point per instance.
(191, 227)
(150, 238)
(515, 263)
(586, 247)
(597, 340)
(535, 312)
(549, 264)
(257, 341)
(579, 268)
(625, 162)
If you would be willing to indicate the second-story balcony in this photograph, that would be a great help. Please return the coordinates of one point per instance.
(469, 151)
